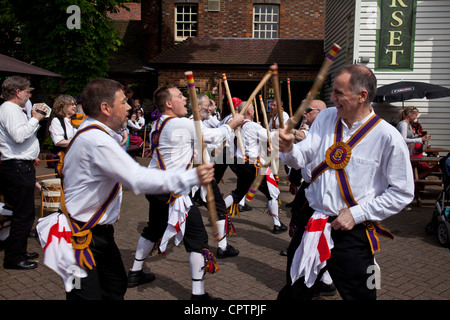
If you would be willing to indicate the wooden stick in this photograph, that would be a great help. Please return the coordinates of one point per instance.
(233, 112)
(257, 182)
(321, 76)
(143, 144)
(276, 90)
(198, 130)
(255, 92)
(289, 94)
(266, 124)
(256, 109)
(46, 175)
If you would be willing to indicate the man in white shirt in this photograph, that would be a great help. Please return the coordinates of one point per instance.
(274, 121)
(361, 174)
(95, 166)
(19, 148)
(174, 215)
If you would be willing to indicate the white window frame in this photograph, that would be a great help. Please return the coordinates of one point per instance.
(189, 25)
(266, 21)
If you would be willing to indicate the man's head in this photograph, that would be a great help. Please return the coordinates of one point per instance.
(274, 107)
(354, 86)
(313, 110)
(16, 89)
(104, 100)
(249, 113)
(170, 101)
(203, 106)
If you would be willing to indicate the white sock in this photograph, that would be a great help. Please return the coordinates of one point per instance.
(228, 201)
(272, 205)
(242, 202)
(143, 249)
(196, 262)
(326, 278)
(221, 229)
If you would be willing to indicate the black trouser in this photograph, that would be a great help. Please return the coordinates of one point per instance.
(108, 279)
(227, 160)
(246, 174)
(195, 236)
(348, 265)
(18, 179)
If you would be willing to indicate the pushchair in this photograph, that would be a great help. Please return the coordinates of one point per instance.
(440, 221)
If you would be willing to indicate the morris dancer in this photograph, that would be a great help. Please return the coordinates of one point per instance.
(361, 175)
(172, 214)
(274, 121)
(93, 169)
(248, 166)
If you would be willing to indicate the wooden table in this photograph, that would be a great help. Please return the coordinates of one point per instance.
(435, 151)
(422, 179)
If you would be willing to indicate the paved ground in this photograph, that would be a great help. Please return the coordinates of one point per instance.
(413, 267)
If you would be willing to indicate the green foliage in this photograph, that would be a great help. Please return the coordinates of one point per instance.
(79, 55)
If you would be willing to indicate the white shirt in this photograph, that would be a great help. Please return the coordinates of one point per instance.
(57, 131)
(17, 134)
(277, 120)
(379, 171)
(95, 162)
(141, 121)
(133, 125)
(176, 142)
(255, 140)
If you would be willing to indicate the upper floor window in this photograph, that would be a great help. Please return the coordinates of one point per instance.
(186, 21)
(265, 21)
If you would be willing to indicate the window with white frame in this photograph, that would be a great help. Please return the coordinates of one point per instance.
(186, 21)
(265, 21)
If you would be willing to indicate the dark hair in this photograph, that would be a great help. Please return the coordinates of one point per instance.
(161, 95)
(11, 84)
(98, 91)
(362, 78)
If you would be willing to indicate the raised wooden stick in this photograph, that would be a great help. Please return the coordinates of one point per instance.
(256, 109)
(289, 94)
(321, 76)
(266, 124)
(210, 202)
(255, 92)
(233, 112)
(276, 90)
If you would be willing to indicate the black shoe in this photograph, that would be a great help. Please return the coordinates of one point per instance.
(22, 265)
(290, 204)
(31, 255)
(136, 278)
(230, 251)
(324, 290)
(283, 252)
(279, 229)
(245, 207)
(205, 296)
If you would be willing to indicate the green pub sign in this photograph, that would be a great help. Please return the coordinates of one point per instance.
(395, 36)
